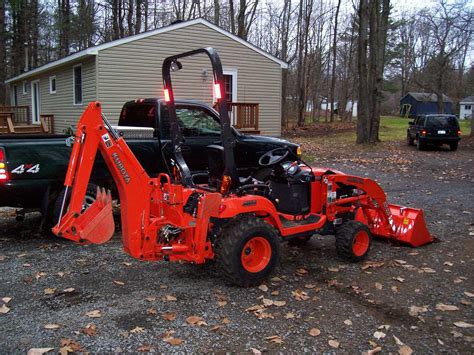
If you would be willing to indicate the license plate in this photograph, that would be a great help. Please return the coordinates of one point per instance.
(442, 132)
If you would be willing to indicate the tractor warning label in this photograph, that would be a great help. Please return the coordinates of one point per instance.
(107, 141)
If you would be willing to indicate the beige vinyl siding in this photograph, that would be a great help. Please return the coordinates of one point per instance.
(133, 70)
(61, 104)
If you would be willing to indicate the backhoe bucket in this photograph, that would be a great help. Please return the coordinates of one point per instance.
(95, 225)
(407, 225)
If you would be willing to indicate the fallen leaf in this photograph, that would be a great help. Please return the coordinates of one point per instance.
(398, 341)
(279, 303)
(60, 273)
(120, 283)
(151, 311)
(448, 263)
(195, 320)
(39, 351)
(374, 351)
(372, 264)
(256, 351)
(267, 302)
(440, 342)
(276, 279)
(263, 288)
(394, 289)
(137, 330)
(379, 335)
(378, 286)
(52, 326)
(289, 315)
(127, 264)
(428, 270)
(90, 329)
(300, 295)
(401, 262)
(399, 279)
(170, 298)
(94, 314)
(469, 294)
(275, 339)
(314, 332)
(173, 341)
(150, 299)
(446, 307)
(4, 309)
(405, 350)
(333, 269)
(348, 322)
(415, 310)
(462, 324)
(144, 349)
(254, 308)
(6, 299)
(275, 293)
(170, 316)
(49, 291)
(301, 271)
(225, 320)
(68, 290)
(333, 344)
(70, 346)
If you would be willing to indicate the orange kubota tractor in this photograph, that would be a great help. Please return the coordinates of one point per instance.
(238, 221)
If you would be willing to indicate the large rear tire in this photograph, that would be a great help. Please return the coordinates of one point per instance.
(410, 141)
(420, 145)
(247, 251)
(353, 241)
(453, 146)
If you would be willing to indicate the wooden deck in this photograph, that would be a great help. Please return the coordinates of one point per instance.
(245, 116)
(17, 120)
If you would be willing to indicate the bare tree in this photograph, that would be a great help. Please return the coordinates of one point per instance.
(334, 55)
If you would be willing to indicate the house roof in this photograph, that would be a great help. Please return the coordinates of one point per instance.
(95, 49)
(467, 100)
(426, 97)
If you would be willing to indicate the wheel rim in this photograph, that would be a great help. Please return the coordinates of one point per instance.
(256, 254)
(360, 243)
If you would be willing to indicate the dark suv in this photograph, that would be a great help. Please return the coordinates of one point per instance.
(435, 129)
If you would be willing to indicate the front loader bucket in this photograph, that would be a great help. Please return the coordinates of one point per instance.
(95, 225)
(406, 225)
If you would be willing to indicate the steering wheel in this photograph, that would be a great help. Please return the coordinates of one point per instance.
(273, 157)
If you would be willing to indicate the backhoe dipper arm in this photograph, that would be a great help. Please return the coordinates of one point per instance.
(95, 224)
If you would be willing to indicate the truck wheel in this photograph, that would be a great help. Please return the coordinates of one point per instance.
(453, 146)
(353, 240)
(247, 251)
(420, 145)
(89, 198)
(299, 242)
(410, 141)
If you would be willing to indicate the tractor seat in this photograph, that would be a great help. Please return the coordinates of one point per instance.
(215, 159)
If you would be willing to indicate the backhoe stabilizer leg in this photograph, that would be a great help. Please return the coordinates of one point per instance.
(95, 225)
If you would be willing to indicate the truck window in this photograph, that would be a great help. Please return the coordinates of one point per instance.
(442, 122)
(138, 115)
(193, 122)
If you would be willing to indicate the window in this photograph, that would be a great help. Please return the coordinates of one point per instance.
(442, 122)
(193, 122)
(52, 84)
(77, 84)
(138, 115)
(467, 107)
(25, 87)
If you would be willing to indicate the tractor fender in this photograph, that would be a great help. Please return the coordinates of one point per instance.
(250, 204)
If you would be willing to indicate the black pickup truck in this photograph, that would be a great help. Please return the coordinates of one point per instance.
(33, 168)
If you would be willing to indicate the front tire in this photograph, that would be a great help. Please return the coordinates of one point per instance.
(247, 251)
(353, 241)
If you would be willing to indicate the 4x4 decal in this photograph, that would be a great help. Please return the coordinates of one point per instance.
(28, 168)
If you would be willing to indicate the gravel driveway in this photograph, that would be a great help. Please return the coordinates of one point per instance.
(96, 298)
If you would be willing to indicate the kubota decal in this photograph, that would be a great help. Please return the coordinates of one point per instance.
(107, 141)
(26, 168)
(121, 168)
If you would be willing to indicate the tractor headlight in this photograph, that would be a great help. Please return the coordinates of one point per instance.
(298, 151)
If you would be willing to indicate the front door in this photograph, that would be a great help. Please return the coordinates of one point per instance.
(35, 102)
(230, 91)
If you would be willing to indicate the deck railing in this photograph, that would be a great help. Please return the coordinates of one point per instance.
(16, 120)
(19, 114)
(245, 116)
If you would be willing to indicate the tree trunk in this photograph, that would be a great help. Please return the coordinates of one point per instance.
(217, 10)
(334, 53)
(3, 51)
(232, 16)
(363, 103)
(138, 15)
(284, 56)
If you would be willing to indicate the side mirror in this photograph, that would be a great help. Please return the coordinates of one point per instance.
(411, 123)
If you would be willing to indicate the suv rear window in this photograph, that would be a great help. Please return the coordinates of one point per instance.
(441, 122)
(138, 115)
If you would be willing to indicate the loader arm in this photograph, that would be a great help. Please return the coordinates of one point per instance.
(95, 224)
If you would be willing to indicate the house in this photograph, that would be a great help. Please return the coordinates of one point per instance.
(466, 106)
(130, 68)
(416, 103)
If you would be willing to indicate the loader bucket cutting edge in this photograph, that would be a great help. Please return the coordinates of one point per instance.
(96, 225)
(407, 225)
